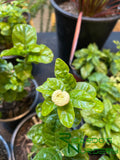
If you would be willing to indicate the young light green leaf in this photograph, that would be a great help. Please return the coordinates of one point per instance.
(66, 115)
(81, 99)
(45, 55)
(24, 35)
(86, 87)
(48, 154)
(35, 134)
(47, 107)
(62, 73)
(86, 70)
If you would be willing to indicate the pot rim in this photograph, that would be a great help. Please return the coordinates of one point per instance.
(67, 14)
(30, 108)
(16, 131)
(6, 147)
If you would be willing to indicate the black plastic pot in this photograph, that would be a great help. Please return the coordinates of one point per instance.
(33, 105)
(6, 149)
(92, 30)
(16, 131)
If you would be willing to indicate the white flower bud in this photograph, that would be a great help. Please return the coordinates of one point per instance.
(60, 98)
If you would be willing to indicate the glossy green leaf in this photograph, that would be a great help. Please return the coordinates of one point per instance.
(77, 63)
(86, 70)
(45, 55)
(86, 87)
(48, 154)
(47, 107)
(94, 136)
(66, 115)
(104, 158)
(23, 69)
(91, 117)
(81, 99)
(11, 52)
(78, 117)
(98, 77)
(5, 29)
(45, 90)
(55, 84)
(62, 73)
(24, 35)
(35, 134)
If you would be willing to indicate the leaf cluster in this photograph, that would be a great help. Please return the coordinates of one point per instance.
(91, 59)
(13, 79)
(24, 39)
(82, 95)
(106, 87)
(104, 125)
(10, 15)
(47, 142)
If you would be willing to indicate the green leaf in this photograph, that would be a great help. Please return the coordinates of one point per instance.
(11, 52)
(23, 69)
(86, 70)
(24, 35)
(62, 73)
(91, 117)
(5, 28)
(45, 55)
(83, 156)
(94, 136)
(45, 90)
(77, 63)
(98, 106)
(86, 87)
(35, 134)
(72, 149)
(81, 99)
(98, 77)
(104, 158)
(111, 90)
(99, 65)
(48, 154)
(78, 117)
(66, 115)
(47, 107)
(55, 84)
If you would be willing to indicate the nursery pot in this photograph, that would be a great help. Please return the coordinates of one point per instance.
(4, 150)
(32, 106)
(18, 134)
(92, 30)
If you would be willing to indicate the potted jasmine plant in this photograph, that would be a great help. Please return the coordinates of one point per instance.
(59, 112)
(91, 59)
(99, 18)
(10, 15)
(15, 79)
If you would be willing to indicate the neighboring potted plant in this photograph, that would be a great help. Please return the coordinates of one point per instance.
(103, 129)
(14, 79)
(10, 15)
(95, 27)
(4, 150)
(64, 97)
(106, 87)
(91, 59)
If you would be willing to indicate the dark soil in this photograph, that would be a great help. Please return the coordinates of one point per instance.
(16, 108)
(69, 7)
(3, 152)
(22, 144)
